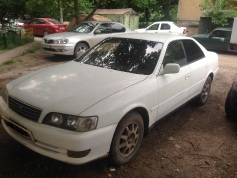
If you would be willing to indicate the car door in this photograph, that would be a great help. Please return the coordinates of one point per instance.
(32, 25)
(173, 89)
(218, 40)
(198, 64)
(154, 28)
(165, 28)
(41, 27)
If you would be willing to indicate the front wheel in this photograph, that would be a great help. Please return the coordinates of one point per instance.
(127, 138)
(80, 49)
(202, 98)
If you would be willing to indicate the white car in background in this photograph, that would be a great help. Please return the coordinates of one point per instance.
(104, 102)
(164, 27)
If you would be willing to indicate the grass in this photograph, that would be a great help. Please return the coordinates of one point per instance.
(32, 50)
(7, 62)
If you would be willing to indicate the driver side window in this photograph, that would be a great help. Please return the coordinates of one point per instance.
(154, 27)
(175, 54)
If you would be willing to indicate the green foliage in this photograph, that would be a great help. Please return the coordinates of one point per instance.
(8, 62)
(220, 11)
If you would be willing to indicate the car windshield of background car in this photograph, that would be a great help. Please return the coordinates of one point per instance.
(127, 55)
(83, 28)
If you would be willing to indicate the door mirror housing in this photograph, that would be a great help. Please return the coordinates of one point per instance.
(171, 68)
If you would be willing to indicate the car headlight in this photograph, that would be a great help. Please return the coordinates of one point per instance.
(70, 122)
(5, 94)
(61, 41)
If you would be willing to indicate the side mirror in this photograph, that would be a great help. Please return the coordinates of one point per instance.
(171, 68)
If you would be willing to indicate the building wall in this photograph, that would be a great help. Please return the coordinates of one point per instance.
(189, 10)
(189, 14)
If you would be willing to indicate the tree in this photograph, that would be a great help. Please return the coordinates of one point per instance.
(219, 11)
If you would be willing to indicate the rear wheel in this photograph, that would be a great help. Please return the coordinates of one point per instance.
(202, 98)
(80, 49)
(127, 138)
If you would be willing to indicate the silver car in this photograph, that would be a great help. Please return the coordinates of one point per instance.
(80, 38)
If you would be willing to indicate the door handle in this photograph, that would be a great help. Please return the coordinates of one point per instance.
(187, 77)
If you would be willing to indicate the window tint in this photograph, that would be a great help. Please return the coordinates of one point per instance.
(154, 27)
(128, 55)
(165, 26)
(175, 54)
(116, 28)
(193, 51)
(104, 28)
(86, 27)
(41, 22)
(54, 21)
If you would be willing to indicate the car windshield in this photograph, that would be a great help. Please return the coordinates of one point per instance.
(128, 55)
(84, 27)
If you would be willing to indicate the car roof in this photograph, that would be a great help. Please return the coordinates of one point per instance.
(223, 28)
(164, 22)
(163, 38)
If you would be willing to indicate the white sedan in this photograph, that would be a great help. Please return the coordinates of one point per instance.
(104, 102)
(164, 27)
(80, 38)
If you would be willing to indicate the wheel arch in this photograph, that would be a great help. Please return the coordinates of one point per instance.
(212, 76)
(143, 112)
(86, 43)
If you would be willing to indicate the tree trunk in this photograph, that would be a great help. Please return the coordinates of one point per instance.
(93, 11)
(76, 10)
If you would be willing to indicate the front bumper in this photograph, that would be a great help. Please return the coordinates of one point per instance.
(61, 49)
(63, 145)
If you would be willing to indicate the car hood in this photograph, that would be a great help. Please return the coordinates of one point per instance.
(71, 87)
(64, 35)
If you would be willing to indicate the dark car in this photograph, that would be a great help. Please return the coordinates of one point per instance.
(219, 40)
(231, 100)
(45, 26)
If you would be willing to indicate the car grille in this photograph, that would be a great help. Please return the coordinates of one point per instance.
(48, 41)
(25, 110)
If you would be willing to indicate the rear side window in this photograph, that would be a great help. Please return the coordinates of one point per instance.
(165, 26)
(193, 51)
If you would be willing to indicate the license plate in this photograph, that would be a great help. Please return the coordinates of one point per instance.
(46, 46)
(62, 28)
(19, 129)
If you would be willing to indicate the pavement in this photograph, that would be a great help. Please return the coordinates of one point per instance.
(13, 53)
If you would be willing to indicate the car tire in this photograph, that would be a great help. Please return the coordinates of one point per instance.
(202, 97)
(127, 139)
(45, 33)
(80, 49)
(230, 112)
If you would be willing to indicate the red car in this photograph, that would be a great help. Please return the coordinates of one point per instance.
(45, 26)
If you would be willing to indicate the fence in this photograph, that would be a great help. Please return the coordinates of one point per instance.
(15, 37)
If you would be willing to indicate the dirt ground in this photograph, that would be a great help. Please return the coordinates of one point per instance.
(193, 142)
